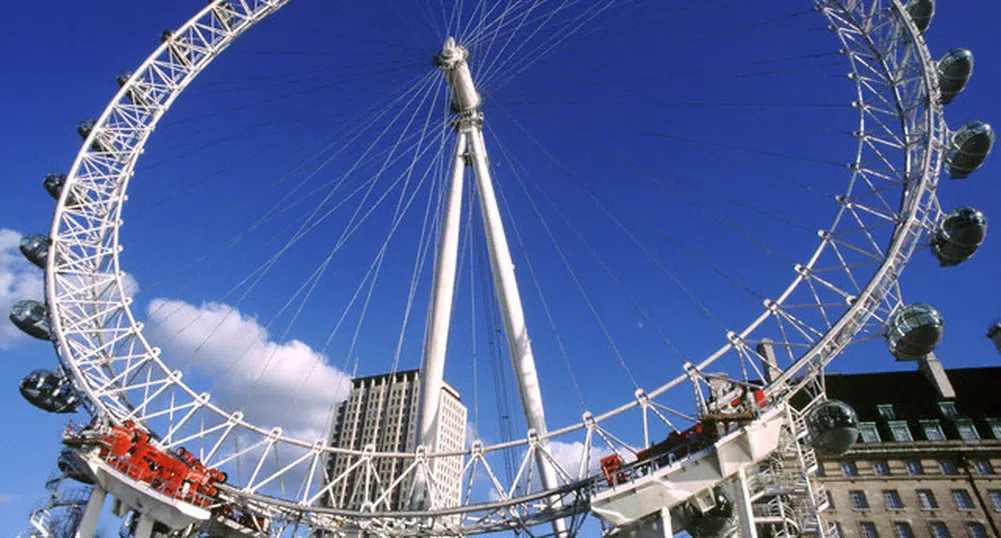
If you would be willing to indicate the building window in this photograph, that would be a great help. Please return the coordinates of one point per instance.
(914, 467)
(995, 496)
(867, 529)
(939, 530)
(848, 468)
(995, 426)
(932, 430)
(927, 500)
(870, 434)
(983, 467)
(900, 431)
(948, 409)
(892, 499)
(962, 498)
(886, 411)
(880, 468)
(976, 529)
(820, 469)
(830, 500)
(902, 529)
(967, 431)
(859, 502)
(948, 467)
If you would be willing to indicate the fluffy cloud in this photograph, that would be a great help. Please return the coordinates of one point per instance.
(274, 383)
(18, 280)
(569, 456)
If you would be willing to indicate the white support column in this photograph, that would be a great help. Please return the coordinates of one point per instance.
(518, 343)
(144, 529)
(742, 505)
(440, 316)
(88, 523)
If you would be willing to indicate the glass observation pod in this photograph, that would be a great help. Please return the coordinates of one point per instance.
(223, 13)
(958, 235)
(138, 94)
(971, 145)
(32, 318)
(35, 247)
(914, 331)
(53, 184)
(49, 391)
(921, 12)
(708, 514)
(103, 140)
(833, 427)
(179, 50)
(954, 72)
(71, 467)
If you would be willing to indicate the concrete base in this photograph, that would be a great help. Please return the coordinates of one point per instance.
(653, 526)
(670, 485)
(88, 523)
(144, 529)
(133, 495)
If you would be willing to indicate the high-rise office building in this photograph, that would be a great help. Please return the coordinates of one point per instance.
(380, 415)
(925, 464)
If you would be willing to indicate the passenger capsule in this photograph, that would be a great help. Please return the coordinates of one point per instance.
(103, 141)
(49, 391)
(54, 184)
(914, 331)
(223, 12)
(921, 12)
(35, 248)
(138, 93)
(954, 71)
(971, 145)
(123, 78)
(833, 427)
(72, 468)
(709, 516)
(958, 235)
(32, 318)
(179, 51)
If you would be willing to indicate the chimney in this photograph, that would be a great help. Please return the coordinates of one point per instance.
(769, 365)
(933, 371)
(994, 333)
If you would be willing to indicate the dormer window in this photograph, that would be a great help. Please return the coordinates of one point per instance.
(886, 411)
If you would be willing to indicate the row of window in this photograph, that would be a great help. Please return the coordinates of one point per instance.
(902, 529)
(925, 497)
(932, 430)
(914, 467)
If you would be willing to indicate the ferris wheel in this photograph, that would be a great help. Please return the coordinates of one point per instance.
(735, 419)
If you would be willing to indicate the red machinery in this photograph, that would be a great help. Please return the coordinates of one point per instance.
(179, 475)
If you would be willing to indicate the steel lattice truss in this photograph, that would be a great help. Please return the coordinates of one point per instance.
(843, 293)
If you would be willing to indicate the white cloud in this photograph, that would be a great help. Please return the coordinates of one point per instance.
(18, 280)
(569, 456)
(249, 370)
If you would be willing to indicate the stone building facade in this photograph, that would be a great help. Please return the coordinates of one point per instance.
(929, 456)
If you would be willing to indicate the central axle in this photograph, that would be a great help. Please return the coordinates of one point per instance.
(452, 61)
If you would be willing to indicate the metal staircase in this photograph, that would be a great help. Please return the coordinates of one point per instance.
(58, 516)
(787, 499)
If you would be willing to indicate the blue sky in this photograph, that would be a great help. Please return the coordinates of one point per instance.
(718, 128)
